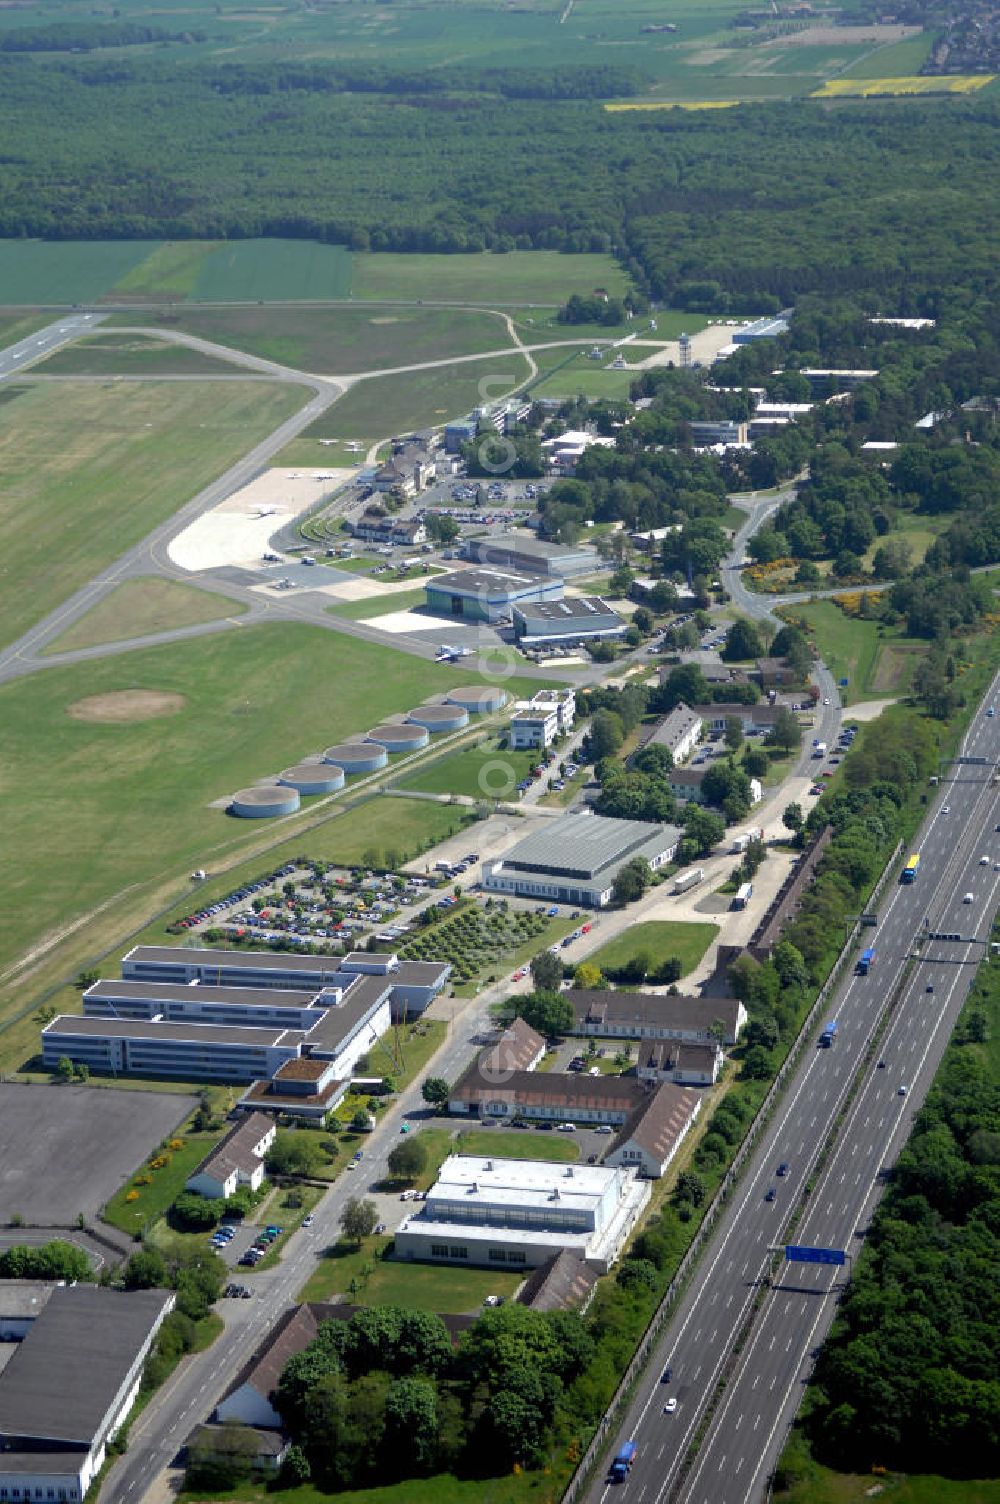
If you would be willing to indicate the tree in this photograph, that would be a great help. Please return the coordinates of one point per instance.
(64, 1069)
(631, 881)
(792, 817)
(742, 642)
(703, 829)
(642, 618)
(145, 1271)
(441, 529)
(436, 1091)
(685, 683)
(551, 1013)
(734, 734)
(546, 971)
(786, 731)
(361, 1121)
(588, 977)
(689, 1187)
(605, 735)
(295, 1152)
(755, 762)
(221, 1457)
(411, 1425)
(358, 1220)
(407, 1159)
(194, 1213)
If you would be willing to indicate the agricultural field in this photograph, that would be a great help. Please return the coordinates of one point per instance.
(869, 88)
(138, 608)
(65, 271)
(381, 407)
(341, 340)
(238, 705)
(517, 278)
(90, 469)
(658, 940)
(130, 355)
(485, 942)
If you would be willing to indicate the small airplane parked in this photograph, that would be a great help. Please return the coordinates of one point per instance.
(447, 653)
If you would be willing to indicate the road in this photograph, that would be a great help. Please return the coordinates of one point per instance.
(764, 1384)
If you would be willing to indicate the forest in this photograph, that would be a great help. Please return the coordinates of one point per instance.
(742, 209)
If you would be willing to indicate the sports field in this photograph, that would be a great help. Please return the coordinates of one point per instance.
(99, 809)
(384, 406)
(340, 340)
(139, 608)
(90, 469)
(131, 355)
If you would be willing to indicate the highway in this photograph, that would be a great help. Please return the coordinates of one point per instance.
(764, 1384)
(43, 342)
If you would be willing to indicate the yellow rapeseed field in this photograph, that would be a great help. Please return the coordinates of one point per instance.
(864, 88)
(670, 104)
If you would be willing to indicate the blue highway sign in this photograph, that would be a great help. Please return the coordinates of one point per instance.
(797, 1253)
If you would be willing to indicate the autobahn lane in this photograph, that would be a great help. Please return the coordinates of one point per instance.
(749, 1427)
(27, 352)
(698, 1341)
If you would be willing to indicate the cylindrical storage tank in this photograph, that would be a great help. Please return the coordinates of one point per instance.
(357, 757)
(265, 803)
(478, 701)
(314, 777)
(440, 717)
(396, 736)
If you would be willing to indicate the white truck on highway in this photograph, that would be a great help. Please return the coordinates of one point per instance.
(688, 879)
(819, 749)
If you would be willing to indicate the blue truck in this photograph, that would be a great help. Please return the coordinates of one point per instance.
(622, 1464)
(866, 961)
(828, 1035)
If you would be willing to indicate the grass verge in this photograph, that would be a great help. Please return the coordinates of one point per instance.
(139, 608)
(659, 940)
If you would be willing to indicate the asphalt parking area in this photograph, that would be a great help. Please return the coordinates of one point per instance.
(67, 1149)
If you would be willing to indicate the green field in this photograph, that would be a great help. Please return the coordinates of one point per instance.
(517, 278)
(251, 702)
(384, 406)
(848, 646)
(659, 939)
(488, 771)
(341, 340)
(370, 1281)
(166, 1183)
(514, 1145)
(537, 325)
(131, 355)
(379, 605)
(15, 326)
(65, 271)
(899, 60)
(274, 270)
(138, 608)
(586, 378)
(171, 271)
(90, 469)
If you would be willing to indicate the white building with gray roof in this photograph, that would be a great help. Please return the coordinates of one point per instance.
(576, 858)
(69, 1386)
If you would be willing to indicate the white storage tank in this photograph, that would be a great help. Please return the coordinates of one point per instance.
(357, 757)
(265, 803)
(397, 736)
(440, 717)
(478, 700)
(314, 777)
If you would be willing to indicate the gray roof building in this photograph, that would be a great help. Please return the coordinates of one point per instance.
(678, 731)
(70, 1382)
(648, 1015)
(576, 858)
(565, 1283)
(531, 555)
(578, 618)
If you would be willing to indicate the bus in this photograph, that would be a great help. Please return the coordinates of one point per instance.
(912, 868)
(828, 1035)
(866, 961)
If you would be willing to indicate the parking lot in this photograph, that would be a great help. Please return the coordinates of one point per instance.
(67, 1149)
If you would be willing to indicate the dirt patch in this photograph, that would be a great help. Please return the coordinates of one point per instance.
(387, 319)
(894, 667)
(123, 705)
(850, 36)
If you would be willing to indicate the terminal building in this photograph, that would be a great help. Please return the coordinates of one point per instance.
(67, 1388)
(571, 622)
(576, 858)
(519, 1214)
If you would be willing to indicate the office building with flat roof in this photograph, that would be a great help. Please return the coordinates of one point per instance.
(576, 858)
(519, 1214)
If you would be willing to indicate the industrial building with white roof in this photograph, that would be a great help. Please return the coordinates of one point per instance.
(512, 1213)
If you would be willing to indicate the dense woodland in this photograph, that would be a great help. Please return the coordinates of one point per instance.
(745, 208)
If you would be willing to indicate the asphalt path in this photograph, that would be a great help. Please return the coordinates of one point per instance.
(764, 1384)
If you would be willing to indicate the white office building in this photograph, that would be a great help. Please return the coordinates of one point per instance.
(518, 1214)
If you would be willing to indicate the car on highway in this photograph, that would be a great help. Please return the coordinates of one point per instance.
(992, 711)
(666, 1375)
(901, 1092)
(771, 1193)
(670, 1407)
(880, 1066)
(946, 809)
(826, 700)
(967, 898)
(930, 986)
(783, 1168)
(984, 861)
